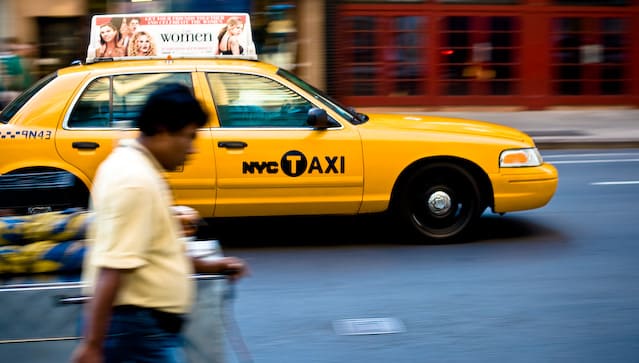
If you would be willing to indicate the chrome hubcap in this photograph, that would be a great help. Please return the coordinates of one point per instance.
(439, 203)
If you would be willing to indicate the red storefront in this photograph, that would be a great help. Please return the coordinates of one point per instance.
(529, 53)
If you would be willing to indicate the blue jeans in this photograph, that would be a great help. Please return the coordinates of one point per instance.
(136, 337)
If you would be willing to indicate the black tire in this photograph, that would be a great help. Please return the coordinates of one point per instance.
(441, 201)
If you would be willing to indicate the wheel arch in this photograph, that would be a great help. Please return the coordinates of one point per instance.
(76, 193)
(483, 181)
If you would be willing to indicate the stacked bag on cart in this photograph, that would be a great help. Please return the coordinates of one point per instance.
(43, 243)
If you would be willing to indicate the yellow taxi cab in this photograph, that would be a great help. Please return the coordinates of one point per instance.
(274, 145)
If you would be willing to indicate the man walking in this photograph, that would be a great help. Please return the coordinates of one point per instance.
(137, 267)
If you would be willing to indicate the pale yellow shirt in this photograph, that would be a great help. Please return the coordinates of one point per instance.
(135, 230)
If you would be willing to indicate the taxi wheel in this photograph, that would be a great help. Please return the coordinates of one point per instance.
(441, 201)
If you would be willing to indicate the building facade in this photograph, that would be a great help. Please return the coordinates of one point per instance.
(531, 54)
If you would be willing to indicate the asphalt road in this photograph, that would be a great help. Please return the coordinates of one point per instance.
(557, 284)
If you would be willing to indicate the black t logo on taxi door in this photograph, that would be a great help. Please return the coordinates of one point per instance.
(293, 163)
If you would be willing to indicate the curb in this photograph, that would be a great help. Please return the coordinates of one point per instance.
(592, 144)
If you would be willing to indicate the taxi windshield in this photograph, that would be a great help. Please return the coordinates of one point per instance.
(344, 112)
(14, 106)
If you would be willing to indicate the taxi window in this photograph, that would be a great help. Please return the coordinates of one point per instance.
(92, 109)
(247, 100)
(116, 101)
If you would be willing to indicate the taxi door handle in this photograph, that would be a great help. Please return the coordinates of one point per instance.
(232, 144)
(85, 145)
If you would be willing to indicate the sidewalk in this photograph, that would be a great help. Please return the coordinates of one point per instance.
(574, 128)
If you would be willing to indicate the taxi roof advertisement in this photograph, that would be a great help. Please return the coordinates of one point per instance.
(170, 34)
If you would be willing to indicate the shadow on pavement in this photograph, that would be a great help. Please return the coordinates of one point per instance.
(356, 230)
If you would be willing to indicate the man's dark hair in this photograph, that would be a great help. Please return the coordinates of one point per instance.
(172, 107)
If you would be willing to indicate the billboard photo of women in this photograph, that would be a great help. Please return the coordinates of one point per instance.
(229, 37)
(127, 29)
(109, 42)
(141, 45)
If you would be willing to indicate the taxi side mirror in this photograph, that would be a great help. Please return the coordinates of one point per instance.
(318, 119)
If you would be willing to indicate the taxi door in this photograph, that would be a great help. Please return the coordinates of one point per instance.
(270, 162)
(99, 118)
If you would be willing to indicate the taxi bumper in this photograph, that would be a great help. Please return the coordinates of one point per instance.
(524, 188)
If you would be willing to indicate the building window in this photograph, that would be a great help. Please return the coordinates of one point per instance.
(479, 55)
(593, 2)
(361, 66)
(484, 2)
(384, 55)
(406, 55)
(590, 56)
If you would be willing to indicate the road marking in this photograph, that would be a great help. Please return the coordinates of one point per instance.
(37, 340)
(593, 161)
(626, 182)
(589, 155)
(368, 326)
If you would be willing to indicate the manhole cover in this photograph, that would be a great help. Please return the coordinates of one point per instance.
(368, 326)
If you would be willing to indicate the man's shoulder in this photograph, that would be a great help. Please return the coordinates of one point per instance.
(127, 165)
(124, 157)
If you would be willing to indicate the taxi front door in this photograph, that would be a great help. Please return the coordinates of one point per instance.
(269, 161)
(268, 172)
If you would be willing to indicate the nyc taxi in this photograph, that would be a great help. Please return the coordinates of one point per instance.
(274, 145)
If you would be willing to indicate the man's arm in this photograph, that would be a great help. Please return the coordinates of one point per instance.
(234, 267)
(98, 316)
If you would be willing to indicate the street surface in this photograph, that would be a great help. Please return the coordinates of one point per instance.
(556, 284)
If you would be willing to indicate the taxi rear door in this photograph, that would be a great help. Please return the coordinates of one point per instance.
(104, 112)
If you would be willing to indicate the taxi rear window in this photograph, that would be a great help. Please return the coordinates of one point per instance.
(15, 105)
(116, 101)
